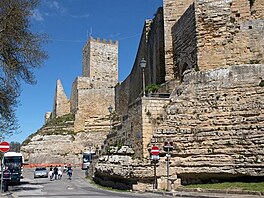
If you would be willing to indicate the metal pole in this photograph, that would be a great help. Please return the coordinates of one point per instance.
(144, 91)
(2, 177)
(168, 169)
(155, 175)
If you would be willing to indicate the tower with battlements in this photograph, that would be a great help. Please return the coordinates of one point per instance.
(93, 92)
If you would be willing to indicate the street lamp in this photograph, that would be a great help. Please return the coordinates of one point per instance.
(142, 64)
(110, 109)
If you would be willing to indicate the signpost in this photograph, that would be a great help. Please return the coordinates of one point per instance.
(4, 147)
(155, 157)
(168, 146)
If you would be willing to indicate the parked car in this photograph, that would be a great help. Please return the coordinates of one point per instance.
(40, 172)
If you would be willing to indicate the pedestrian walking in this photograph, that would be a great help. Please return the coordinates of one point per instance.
(55, 170)
(51, 173)
(6, 178)
(69, 171)
(59, 172)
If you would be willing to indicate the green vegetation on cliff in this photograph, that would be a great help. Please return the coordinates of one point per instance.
(56, 126)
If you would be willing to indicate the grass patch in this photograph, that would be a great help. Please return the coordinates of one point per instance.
(259, 186)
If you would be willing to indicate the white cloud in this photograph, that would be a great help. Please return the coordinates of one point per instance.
(37, 15)
(80, 16)
(52, 8)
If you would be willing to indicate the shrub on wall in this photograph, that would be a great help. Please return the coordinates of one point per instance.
(152, 88)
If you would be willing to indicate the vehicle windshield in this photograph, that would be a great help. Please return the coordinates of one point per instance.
(13, 159)
(40, 169)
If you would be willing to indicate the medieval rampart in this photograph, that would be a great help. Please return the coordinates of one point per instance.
(215, 34)
(185, 43)
(151, 48)
(173, 10)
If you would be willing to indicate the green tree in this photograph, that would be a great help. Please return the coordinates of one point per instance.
(15, 146)
(20, 53)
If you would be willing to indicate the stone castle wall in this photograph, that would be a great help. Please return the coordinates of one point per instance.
(136, 128)
(61, 105)
(173, 10)
(227, 34)
(185, 43)
(151, 48)
(212, 35)
(257, 10)
(155, 57)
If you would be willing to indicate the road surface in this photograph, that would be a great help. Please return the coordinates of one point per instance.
(78, 187)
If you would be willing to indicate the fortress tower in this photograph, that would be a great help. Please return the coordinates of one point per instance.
(100, 60)
(93, 92)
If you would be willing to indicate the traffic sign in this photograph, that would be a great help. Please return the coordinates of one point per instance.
(155, 150)
(4, 146)
(155, 157)
(168, 144)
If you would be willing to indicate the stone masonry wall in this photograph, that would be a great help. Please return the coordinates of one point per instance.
(153, 110)
(93, 93)
(92, 103)
(227, 34)
(173, 10)
(61, 105)
(257, 10)
(216, 121)
(100, 61)
(185, 43)
(155, 72)
(151, 48)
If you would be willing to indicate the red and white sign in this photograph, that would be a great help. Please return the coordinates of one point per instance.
(4, 146)
(155, 150)
(168, 144)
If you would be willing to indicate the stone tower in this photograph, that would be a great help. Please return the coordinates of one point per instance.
(93, 92)
(100, 60)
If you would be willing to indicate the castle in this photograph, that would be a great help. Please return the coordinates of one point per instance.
(209, 57)
(93, 92)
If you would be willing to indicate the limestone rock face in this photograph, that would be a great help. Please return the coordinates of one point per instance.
(216, 122)
(59, 144)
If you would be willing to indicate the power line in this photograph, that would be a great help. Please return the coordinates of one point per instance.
(82, 41)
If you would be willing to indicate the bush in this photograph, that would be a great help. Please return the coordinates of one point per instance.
(152, 88)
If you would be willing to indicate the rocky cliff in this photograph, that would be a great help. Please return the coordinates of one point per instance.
(216, 121)
(56, 142)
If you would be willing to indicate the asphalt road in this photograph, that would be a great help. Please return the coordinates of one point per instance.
(78, 187)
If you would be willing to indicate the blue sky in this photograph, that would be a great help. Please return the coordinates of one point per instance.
(69, 24)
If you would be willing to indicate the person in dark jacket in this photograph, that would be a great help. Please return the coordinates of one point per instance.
(55, 170)
(6, 178)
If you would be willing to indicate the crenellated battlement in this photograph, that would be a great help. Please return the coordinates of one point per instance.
(102, 41)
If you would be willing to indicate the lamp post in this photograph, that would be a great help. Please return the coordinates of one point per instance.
(142, 64)
(110, 109)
